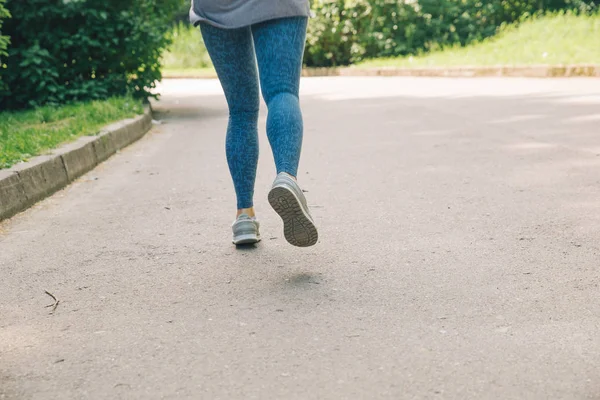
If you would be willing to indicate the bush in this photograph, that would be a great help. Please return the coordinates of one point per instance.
(4, 40)
(74, 50)
(346, 31)
(332, 37)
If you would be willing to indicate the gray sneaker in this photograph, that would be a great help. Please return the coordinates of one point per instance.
(289, 202)
(245, 230)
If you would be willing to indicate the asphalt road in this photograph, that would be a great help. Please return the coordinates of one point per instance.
(459, 255)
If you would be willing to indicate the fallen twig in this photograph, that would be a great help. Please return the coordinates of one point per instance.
(53, 305)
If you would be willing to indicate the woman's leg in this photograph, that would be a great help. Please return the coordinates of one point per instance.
(279, 46)
(232, 53)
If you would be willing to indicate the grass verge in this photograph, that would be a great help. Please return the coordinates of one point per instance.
(24, 134)
(556, 39)
(187, 51)
(190, 73)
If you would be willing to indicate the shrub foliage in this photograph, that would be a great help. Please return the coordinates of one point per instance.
(346, 31)
(75, 50)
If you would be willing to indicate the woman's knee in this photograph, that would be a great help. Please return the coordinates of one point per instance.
(281, 96)
(246, 115)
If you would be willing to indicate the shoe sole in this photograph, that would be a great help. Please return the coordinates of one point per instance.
(250, 238)
(298, 228)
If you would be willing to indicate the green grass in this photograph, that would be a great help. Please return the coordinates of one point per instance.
(24, 134)
(190, 73)
(554, 40)
(187, 52)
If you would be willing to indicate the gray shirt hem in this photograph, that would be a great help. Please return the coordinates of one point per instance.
(236, 18)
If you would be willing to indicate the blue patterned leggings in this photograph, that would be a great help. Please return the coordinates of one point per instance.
(277, 46)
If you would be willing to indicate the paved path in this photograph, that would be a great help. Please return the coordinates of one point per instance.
(459, 255)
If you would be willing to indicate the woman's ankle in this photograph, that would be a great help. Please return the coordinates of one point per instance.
(290, 175)
(248, 211)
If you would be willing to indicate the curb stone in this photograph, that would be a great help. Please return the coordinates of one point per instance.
(525, 71)
(27, 183)
(518, 71)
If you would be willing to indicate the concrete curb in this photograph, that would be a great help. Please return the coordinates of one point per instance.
(531, 71)
(27, 183)
(167, 75)
(523, 71)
